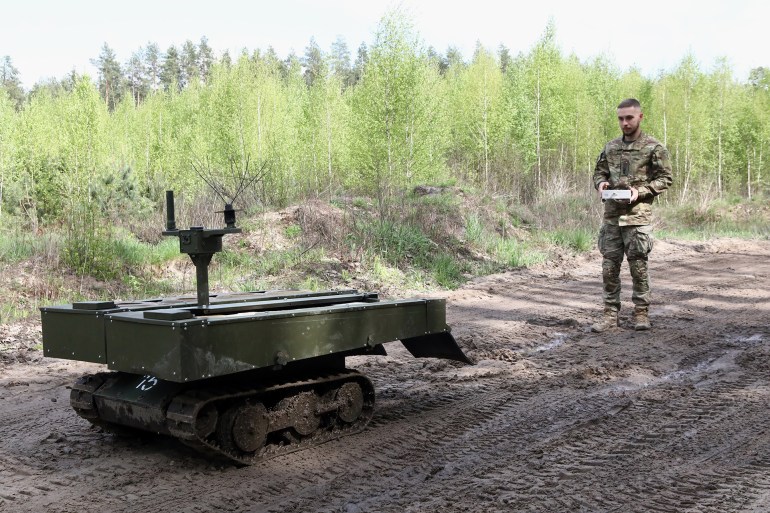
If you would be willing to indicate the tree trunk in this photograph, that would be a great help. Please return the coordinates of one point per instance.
(687, 149)
(537, 129)
(485, 134)
(665, 123)
(719, 141)
(748, 173)
(259, 125)
(329, 147)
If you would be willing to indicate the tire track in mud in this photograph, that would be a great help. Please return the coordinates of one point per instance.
(404, 431)
(400, 428)
(459, 450)
(420, 439)
(632, 443)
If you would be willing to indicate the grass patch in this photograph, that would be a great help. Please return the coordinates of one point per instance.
(115, 253)
(397, 243)
(577, 239)
(725, 218)
(17, 246)
(474, 229)
(514, 253)
(447, 271)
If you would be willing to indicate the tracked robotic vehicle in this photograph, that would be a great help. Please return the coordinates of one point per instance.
(244, 376)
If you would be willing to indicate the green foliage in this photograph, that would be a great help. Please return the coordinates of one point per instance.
(731, 217)
(10, 83)
(293, 231)
(514, 253)
(403, 115)
(578, 239)
(398, 135)
(398, 243)
(447, 271)
(693, 215)
(474, 230)
(93, 248)
(18, 246)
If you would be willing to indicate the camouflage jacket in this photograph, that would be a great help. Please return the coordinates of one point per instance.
(643, 164)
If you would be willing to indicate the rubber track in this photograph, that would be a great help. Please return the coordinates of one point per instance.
(182, 411)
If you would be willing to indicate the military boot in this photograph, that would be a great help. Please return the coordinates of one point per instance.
(609, 320)
(641, 318)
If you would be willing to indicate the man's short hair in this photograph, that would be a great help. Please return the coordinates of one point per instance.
(630, 102)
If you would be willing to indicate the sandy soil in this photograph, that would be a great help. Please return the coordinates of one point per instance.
(552, 417)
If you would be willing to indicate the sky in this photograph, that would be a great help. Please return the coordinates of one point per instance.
(50, 38)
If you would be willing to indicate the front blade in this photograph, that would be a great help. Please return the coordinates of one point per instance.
(436, 345)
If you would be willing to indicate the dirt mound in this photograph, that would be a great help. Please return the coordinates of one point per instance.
(322, 223)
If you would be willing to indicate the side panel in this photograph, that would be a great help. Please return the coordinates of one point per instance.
(142, 348)
(74, 335)
(435, 310)
(220, 349)
(216, 346)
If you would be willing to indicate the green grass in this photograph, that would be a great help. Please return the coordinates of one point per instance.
(293, 231)
(443, 202)
(398, 243)
(17, 246)
(506, 251)
(723, 218)
(577, 239)
(514, 253)
(129, 251)
(721, 229)
(447, 271)
(474, 229)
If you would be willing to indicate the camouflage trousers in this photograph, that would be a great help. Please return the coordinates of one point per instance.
(635, 242)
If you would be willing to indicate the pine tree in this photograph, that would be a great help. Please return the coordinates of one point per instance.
(453, 59)
(226, 60)
(136, 77)
(312, 62)
(170, 71)
(362, 57)
(339, 61)
(152, 65)
(759, 78)
(188, 64)
(205, 59)
(9, 80)
(110, 77)
(504, 56)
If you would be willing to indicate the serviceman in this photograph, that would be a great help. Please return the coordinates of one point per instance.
(640, 164)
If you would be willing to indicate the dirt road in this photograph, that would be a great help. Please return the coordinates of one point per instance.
(552, 418)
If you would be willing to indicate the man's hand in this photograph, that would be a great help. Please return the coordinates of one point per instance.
(601, 187)
(634, 195)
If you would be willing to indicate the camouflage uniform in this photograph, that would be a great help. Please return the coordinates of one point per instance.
(645, 165)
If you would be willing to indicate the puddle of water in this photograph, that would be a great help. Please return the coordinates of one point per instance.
(558, 340)
(723, 362)
(756, 338)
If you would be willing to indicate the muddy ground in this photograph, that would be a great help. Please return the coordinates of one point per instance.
(552, 417)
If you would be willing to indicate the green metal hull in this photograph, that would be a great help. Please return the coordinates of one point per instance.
(179, 341)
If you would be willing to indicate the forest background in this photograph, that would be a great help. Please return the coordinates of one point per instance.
(398, 166)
